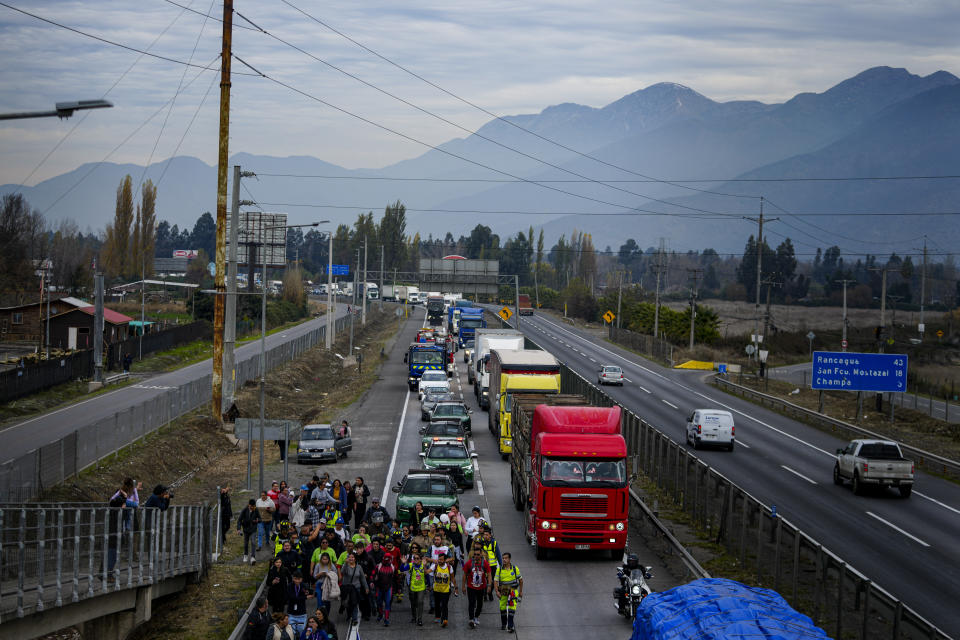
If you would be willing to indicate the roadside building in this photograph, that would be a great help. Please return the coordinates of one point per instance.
(26, 322)
(73, 329)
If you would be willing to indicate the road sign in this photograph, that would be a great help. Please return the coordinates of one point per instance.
(505, 313)
(341, 269)
(859, 371)
(843, 343)
(609, 316)
(750, 349)
(939, 333)
(272, 429)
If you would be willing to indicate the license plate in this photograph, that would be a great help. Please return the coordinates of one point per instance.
(581, 547)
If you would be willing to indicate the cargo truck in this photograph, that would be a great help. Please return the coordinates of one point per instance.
(423, 356)
(568, 474)
(471, 319)
(514, 372)
(435, 307)
(524, 307)
(484, 341)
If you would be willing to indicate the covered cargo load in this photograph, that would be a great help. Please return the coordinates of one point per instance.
(715, 608)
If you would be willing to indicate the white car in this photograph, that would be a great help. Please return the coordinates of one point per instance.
(610, 374)
(433, 378)
(712, 427)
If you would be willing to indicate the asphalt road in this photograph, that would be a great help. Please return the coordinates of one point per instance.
(570, 590)
(909, 547)
(21, 437)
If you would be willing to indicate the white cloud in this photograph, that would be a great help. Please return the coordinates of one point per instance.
(509, 57)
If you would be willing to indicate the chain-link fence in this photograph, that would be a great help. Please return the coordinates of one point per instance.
(71, 552)
(814, 580)
(25, 476)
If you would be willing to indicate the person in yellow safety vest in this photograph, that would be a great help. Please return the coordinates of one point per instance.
(509, 584)
(442, 577)
(492, 549)
(418, 575)
(331, 513)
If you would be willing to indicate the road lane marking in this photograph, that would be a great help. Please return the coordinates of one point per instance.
(479, 488)
(934, 500)
(396, 447)
(742, 443)
(472, 448)
(644, 389)
(796, 473)
(669, 404)
(591, 359)
(895, 527)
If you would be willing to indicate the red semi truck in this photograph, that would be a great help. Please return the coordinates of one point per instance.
(569, 474)
(524, 307)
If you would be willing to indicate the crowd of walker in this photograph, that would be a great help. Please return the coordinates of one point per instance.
(332, 544)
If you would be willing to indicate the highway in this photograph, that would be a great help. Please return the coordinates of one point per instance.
(32, 433)
(909, 547)
(569, 590)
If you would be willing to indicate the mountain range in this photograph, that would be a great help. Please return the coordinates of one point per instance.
(881, 122)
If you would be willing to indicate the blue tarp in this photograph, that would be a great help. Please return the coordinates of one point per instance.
(716, 608)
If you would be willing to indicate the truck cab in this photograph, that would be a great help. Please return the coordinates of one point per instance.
(422, 357)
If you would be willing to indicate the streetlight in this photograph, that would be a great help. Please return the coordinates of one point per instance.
(61, 110)
(263, 330)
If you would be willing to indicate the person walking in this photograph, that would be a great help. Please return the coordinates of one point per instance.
(258, 621)
(361, 493)
(325, 623)
(383, 582)
(285, 501)
(442, 578)
(327, 581)
(492, 548)
(267, 508)
(278, 579)
(247, 524)
(471, 528)
(297, 602)
(508, 583)
(226, 514)
(354, 587)
(418, 573)
(476, 583)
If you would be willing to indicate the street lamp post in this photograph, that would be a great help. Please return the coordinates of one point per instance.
(263, 331)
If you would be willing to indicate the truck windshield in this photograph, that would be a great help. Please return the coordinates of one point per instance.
(426, 357)
(471, 323)
(583, 473)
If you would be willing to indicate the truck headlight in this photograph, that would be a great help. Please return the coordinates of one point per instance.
(620, 526)
(545, 524)
(508, 442)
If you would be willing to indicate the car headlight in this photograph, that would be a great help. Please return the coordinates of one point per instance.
(620, 526)
(635, 590)
(508, 442)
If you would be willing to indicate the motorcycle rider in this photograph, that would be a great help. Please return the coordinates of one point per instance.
(623, 573)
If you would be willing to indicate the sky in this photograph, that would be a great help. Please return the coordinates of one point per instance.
(508, 57)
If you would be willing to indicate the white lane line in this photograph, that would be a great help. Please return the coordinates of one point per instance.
(895, 527)
(591, 359)
(935, 501)
(796, 473)
(479, 488)
(644, 389)
(472, 449)
(669, 404)
(741, 443)
(486, 514)
(396, 447)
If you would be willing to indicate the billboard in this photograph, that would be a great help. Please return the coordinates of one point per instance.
(478, 277)
(186, 253)
(256, 235)
(843, 371)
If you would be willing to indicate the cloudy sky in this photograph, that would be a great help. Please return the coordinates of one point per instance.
(509, 57)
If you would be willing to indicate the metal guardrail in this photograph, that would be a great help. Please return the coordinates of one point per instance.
(117, 377)
(51, 464)
(923, 459)
(241, 628)
(690, 563)
(816, 581)
(54, 556)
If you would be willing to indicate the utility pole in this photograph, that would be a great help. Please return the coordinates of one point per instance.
(656, 310)
(923, 286)
(219, 301)
(380, 297)
(883, 302)
(363, 285)
(695, 274)
(759, 246)
(619, 297)
(98, 327)
(330, 305)
(843, 344)
(766, 318)
(230, 313)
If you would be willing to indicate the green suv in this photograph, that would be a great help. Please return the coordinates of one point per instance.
(433, 488)
(452, 411)
(451, 455)
(441, 429)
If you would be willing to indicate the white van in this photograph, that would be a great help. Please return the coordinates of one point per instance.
(712, 427)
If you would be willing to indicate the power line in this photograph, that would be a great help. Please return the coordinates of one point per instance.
(834, 233)
(500, 118)
(436, 148)
(458, 126)
(570, 181)
(207, 15)
(166, 165)
(110, 42)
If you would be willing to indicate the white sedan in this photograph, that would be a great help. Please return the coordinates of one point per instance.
(431, 378)
(610, 374)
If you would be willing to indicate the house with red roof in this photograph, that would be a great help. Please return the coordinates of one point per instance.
(73, 329)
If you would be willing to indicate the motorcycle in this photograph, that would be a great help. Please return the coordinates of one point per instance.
(632, 590)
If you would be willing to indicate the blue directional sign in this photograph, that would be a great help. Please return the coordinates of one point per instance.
(341, 269)
(844, 371)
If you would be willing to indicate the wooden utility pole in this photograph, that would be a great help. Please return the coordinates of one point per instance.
(759, 246)
(656, 310)
(219, 301)
(695, 275)
(766, 318)
(843, 338)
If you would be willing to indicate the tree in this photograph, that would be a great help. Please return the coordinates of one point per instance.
(747, 271)
(117, 256)
(393, 230)
(204, 234)
(197, 268)
(145, 240)
(483, 243)
(22, 241)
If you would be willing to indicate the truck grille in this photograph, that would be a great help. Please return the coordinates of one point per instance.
(583, 505)
(582, 538)
(583, 525)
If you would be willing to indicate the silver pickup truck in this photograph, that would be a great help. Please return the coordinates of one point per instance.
(875, 463)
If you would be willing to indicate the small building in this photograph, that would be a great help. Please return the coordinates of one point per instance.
(25, 322)
(73, 329)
